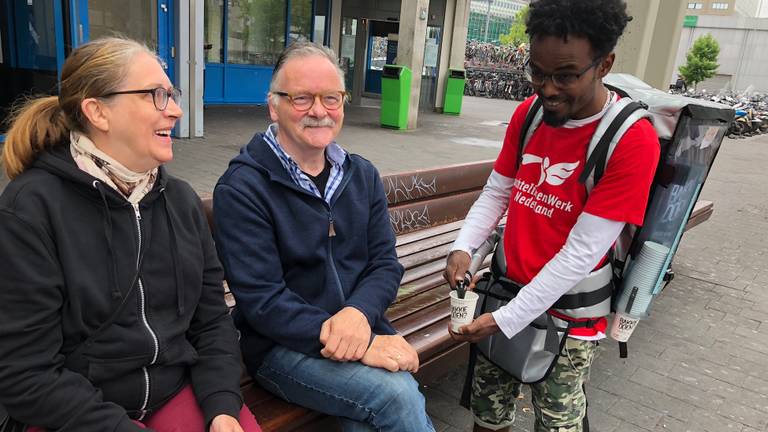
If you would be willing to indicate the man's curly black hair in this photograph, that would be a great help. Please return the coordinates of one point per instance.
(600, 21)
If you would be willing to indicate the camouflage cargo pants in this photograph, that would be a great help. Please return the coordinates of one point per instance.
(559, 401)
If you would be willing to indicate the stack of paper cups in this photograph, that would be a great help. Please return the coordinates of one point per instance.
(639, 283)
(637, 289)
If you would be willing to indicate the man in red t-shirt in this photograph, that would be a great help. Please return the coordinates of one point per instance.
(556, 232)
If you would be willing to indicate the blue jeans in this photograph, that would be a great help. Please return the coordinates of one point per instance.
(364, 398)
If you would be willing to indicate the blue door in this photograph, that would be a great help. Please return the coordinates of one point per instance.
(380, 51)
(148, 21)
(242, 40)
(31, 50)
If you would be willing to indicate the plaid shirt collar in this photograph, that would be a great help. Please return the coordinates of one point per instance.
(334, 153)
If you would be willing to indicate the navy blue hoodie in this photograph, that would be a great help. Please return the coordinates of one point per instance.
(286, 268)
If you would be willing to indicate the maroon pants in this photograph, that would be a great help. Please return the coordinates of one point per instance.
(183, 414)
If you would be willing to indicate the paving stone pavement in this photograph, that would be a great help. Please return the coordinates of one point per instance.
(700, 363)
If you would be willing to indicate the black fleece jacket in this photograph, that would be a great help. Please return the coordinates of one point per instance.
(69, 251)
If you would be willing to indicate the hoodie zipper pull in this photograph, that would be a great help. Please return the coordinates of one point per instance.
(331, 229)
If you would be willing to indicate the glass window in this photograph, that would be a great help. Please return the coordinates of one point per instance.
(321, 11)
(301, 20)
(213, 26)
(134, 19)
(256, 32)
(347, 55)
(33, 38)
(378, 52)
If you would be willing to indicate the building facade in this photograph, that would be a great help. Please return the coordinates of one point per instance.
(711, 7)
(488, 19)
(743, 58)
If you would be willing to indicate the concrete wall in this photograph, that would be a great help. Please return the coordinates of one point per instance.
(743, 55)
(645, 48)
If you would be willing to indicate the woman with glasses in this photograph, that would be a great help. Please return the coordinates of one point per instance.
(112, 313)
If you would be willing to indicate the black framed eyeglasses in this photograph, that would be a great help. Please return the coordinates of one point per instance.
(559, 79)
(160, 95)
(305, 101)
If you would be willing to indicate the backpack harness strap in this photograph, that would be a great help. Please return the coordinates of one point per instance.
(619, 117)
(532, 121)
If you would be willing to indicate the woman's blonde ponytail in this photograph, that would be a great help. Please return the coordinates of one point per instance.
(36, 124)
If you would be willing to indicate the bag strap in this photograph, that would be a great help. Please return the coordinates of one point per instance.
(466, 391)
(551, 340)
(584, 299)
(619, 117)
(532, 121)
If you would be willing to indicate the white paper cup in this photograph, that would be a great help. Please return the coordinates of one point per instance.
(622, 327)
(462, 310)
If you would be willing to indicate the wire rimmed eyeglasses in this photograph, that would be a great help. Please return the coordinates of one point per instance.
(160, 95)
(305, 101)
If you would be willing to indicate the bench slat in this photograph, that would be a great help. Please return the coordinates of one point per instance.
(407, 238)
(430, 183)
(702, 211)
(432, 340)
(418, 286)
(427, 311)
(415, 216)
(425, 256)
(429, 242)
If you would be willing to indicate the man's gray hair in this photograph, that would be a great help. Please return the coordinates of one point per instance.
(304, 49)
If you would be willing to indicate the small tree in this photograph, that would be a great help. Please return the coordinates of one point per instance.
(516, 34)
(701, 60)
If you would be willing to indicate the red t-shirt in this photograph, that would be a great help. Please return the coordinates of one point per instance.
(547, 197)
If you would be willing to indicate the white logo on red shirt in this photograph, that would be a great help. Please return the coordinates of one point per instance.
(544, 203)
(554, 175)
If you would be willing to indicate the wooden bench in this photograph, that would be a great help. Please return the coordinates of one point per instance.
(426, 210)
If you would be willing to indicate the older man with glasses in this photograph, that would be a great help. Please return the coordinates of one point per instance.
(303, 231)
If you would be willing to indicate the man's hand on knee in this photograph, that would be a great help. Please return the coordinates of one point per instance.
(345, 335)
(392, 353)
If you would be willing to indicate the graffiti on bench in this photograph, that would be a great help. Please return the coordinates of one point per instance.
(409, 219)
(403, 188)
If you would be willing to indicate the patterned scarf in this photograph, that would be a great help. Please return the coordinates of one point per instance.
(133, 186)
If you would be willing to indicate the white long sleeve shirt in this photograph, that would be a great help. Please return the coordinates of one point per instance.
(587, 243)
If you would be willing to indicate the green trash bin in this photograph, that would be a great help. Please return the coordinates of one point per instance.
(395, 94)
(454, 91)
